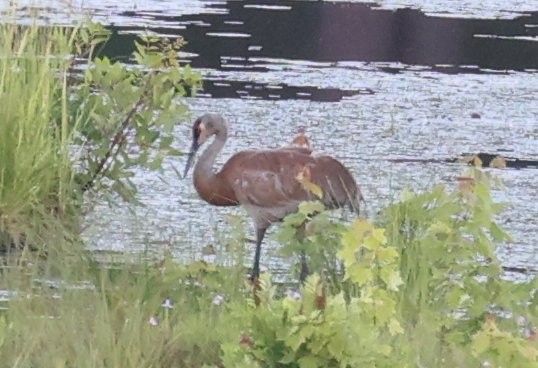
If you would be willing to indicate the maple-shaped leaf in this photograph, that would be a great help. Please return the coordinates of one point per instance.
(304, 177)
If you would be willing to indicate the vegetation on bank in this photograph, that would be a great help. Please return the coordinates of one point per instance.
(420, 286)
(75, 125)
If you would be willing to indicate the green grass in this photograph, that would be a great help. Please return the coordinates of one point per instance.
(100, 317)
(35, 168)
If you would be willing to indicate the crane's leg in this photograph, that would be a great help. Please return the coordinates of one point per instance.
(304, 272)
(304, 268)
(260, 233)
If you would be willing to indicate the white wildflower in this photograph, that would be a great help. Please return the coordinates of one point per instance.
(153, 321)
(218, 299)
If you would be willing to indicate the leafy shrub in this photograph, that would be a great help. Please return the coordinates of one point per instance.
(452, 279)
(129, 112)
(315, 329)
(421, 292)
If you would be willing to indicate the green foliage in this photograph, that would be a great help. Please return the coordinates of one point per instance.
(422, 287)
(451, 233)
(368, 260)
(502, 349)
(322, 330)
(312, 232)
(451, 276)
(63, 133)
(129, 112)
(418, 292)
(392, 307)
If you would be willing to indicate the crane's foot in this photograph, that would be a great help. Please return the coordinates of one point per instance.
(253, 276)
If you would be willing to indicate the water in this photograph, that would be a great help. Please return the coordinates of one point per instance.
(370, 82)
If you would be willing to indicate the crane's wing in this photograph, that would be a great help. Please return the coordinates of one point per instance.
(268, 184)
(338, 185)
(268, 178)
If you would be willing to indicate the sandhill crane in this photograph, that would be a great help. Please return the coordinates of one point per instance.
(265, 182)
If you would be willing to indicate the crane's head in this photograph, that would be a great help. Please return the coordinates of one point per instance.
(203, 128)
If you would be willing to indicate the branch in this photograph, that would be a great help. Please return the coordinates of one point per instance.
(116, 143)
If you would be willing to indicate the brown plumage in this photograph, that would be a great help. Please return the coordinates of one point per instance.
(301, 141)
(266, 182)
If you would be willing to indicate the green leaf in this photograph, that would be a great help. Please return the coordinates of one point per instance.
(384, 349)
(336, 346)
(481, 342)
(311, 207)
(395, 327)
(289, 357)
(359, 275)
(406, 195)
(387, 254)
(171, 152)
(498, 233)
(371, 243)
(295, 219)
(391, 277)
(348, 252)
(3, 330)
(379, 236)
(309, 361)
(156, 164)
(295, 341)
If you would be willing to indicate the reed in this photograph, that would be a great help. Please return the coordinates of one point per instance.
(35, 169)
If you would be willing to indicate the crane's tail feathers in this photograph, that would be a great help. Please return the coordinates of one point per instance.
(344, 195)
(354, 197)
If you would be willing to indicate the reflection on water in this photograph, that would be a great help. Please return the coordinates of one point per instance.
(370, 85)
(247, 36)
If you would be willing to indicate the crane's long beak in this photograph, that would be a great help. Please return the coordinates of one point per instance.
(190, 158)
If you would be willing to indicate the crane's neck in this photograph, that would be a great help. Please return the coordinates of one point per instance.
(208, 184)
(204, 167)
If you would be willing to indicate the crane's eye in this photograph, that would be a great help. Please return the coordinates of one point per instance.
(196, 130)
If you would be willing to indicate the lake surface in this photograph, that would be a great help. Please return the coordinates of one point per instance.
(371, 82)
